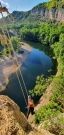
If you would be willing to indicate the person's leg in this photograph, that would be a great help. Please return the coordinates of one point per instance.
(32, 110)
(28, 112)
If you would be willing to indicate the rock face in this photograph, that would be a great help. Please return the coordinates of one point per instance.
(40, 13)
(13, 122)
(53, 14)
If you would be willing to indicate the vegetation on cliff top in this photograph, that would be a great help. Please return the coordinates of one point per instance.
(51, 4)
(55, 4)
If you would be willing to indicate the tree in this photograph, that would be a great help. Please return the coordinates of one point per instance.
(15, 43)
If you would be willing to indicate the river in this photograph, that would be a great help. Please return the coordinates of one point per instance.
(37, 63)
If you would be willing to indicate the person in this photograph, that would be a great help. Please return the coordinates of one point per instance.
(30, 106)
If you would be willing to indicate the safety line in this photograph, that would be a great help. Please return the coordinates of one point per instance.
(17, 64)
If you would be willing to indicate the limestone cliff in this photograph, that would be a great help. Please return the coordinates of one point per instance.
(46, 14)
(40, 13)
(48, 11)
(13, 122)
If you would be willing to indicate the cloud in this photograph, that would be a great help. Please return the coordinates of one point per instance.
(5, 3)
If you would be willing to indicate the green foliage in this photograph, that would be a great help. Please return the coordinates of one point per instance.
(51, 4)
(4, 50)
(41, 85)
(46, 33)
(55, 125)
(58, 91)
(47, 112)
(55, 4)
(58, 49)
(56, 104)
(15, 43)
(28, 33)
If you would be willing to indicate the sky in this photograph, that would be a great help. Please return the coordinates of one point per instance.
(21, 5)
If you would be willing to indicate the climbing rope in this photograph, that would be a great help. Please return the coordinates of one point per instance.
(17, 61)
(18, 65)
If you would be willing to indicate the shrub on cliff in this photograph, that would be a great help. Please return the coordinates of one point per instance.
(41, 84)
(55, 125)
(47, 112)
(15, 43)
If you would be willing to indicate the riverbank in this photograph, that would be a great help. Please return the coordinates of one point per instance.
(9, 65)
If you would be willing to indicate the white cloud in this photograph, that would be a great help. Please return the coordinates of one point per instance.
(5, 3)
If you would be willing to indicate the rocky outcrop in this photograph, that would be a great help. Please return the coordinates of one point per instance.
(13, 122)
(53, 14)
(39, 12)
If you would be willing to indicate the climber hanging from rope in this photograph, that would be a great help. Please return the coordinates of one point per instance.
(30, 106)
